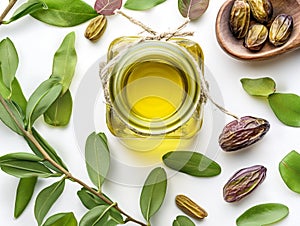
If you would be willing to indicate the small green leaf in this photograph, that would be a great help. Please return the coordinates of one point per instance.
(286, 107)
(90, 200)
(46, 146)
(46, 198)
(289, 169)
(9, 61)
(24, 194)
(97, 159)
(264, 214)
(183, 221)
(6, 118)
(20, 156)
(64, 61)
(142, 4)
(27, 8)
(59, 113)
(153, 192)
(259, 87)
(17, 95)
(65, 13)
(42, 98)
(25, 169)
(102, 216)
(192, 163)
(192, 9)
(61, 219)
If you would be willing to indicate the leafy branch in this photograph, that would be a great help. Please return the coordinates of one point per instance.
(7, 9)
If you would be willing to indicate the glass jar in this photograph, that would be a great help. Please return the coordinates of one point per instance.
(153, 92)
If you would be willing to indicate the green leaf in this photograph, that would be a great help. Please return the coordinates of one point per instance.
(27, 8)
(25, 169)
(90, 200)
(192, 163)
(289, 169)
(183, 221)
(259, 87)
(6, 118)
(142, 4)
(9, 61)
(59, 113)
(46, 198)
(192, 9)
(24, 194)
(20, 156)
(65, 13)
(64, 61)
(97, 159)
(153, 192)
(286, 107)
(17, 95)
(61, 219)
(102, 216)
(264, 214)
(46, 146)
(41, 99)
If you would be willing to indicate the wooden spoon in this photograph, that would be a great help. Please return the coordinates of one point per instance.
(235, 47)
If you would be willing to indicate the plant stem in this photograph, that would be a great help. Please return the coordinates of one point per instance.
(7, 9)
(29, 135)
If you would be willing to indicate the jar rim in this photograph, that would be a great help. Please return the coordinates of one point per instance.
(156, 50)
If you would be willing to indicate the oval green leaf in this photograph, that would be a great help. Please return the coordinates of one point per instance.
(17, 96)
(61, 219)
(97, 158)
(25, 169)
(107, 7)
(41, 99)
(24, 194)
(192, 9)
(46, 198)
(192, 163)
(27, 8)
(153, 192)
(259, 87)
(20, 156)
(9, 62)
(90, 200)
(183, 221)
(101, 216)
(65, 13)
(7, 119)
(289, 168)
(286, 107)
(142, 4)
(263, 214)
(64, 61)
(59, 113)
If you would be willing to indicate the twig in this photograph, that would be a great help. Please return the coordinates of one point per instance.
(30, 137)
(7, 9)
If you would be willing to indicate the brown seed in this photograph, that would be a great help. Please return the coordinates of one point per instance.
(189, 207)
(256, 37)
(281, 29)
(262, 10)
(239, 18)
(96, 28)
(243, 132)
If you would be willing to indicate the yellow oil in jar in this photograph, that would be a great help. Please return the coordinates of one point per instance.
(154, 90)
(155, 95)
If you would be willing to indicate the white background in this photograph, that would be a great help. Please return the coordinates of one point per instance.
(36, 44)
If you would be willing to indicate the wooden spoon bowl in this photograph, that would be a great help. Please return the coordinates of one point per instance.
(235, 47)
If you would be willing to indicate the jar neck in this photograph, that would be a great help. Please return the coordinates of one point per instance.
(181, 77)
